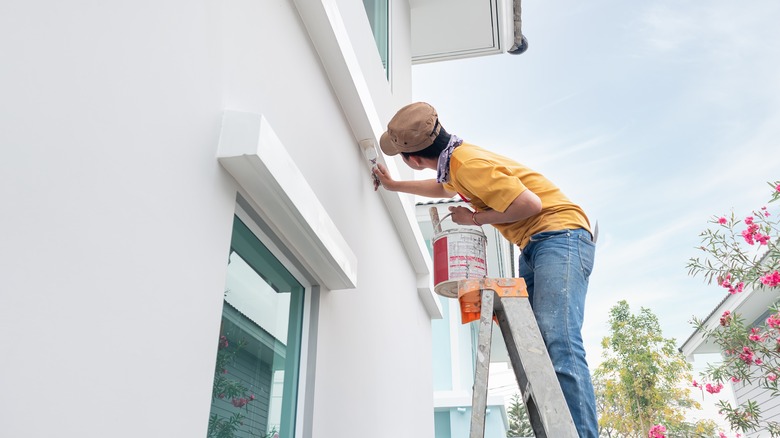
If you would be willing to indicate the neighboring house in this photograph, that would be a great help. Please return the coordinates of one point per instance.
(183, 183)
(752, 305)
(454, 344)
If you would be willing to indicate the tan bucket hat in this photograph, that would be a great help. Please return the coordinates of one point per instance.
(412, 129)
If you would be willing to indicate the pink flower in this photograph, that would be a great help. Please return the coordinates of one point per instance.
(722, 435)
(747, 355)
(749, 233)
(749, 220)
(755, 335)
(778, 188)
(739, 288)
(772, 279)
(657, 431)
(725, 319)
(695, 383)
(773, 321)
(734, 379)
(713, 389)
(726, 283)
(239, 402)
(771, 377)
(722, 221)
(762, 239)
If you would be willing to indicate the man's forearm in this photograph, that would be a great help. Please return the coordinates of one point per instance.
(524, 206)
(527, 204)
(428, 188)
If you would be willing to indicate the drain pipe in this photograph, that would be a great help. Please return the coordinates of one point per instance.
(521, 43)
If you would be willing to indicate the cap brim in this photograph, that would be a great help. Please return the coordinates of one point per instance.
(387, 146)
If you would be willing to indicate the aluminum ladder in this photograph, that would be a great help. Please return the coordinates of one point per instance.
(505, 300)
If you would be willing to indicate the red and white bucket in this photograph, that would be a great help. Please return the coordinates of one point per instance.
(458, 254)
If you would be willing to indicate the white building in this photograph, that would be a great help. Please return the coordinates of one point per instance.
(176, 171)
(752, 305)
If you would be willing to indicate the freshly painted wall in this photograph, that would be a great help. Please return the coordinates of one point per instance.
(117, 217)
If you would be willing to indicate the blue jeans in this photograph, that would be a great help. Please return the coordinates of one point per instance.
(556, 266)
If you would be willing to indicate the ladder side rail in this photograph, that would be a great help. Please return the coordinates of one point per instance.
(522, 380)
(482, 366)
(536, 375)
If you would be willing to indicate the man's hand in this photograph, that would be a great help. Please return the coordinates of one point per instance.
(381, 172)
(462, 216)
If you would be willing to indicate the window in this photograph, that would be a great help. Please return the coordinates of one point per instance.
(256, 375)
(378, 15)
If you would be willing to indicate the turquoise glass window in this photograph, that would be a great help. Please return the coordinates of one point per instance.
(256, 375)
(379, 16)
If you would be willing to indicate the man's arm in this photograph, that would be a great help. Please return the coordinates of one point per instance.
(427, 187)
(526, 204)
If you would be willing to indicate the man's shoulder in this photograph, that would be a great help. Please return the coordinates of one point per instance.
(468, 151)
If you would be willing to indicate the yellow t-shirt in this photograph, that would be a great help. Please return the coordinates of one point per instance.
(492, 181)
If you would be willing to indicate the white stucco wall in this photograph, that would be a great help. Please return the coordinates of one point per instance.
(117, 218)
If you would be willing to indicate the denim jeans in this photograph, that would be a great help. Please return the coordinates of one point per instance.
(556, 266)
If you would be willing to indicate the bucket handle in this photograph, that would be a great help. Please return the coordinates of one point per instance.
(434, 212)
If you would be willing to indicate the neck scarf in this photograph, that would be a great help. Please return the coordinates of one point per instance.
(443, 167)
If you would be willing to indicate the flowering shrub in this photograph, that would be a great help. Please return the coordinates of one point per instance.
(740, 254)
(228, 388)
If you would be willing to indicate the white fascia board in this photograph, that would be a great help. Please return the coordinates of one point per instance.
(252, 153)
(696, 343)
(749, 305)
(330, 38)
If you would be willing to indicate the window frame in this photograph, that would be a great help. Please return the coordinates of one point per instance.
(389, 36)
(250, 221)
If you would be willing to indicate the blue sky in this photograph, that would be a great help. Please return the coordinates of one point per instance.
(653, 116)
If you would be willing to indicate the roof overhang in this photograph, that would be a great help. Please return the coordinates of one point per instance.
(453, 29)
(749, 305)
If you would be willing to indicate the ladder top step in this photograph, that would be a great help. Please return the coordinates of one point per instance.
(469, 295)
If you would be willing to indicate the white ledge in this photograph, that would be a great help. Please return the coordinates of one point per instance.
(252, 153)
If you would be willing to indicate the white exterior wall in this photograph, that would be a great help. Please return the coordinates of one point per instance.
(117, 217)
(764, 398)
(770, 406)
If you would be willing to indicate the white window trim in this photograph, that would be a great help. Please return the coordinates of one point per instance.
(253, 154)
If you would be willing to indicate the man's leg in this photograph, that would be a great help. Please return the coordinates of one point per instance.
(556, 267)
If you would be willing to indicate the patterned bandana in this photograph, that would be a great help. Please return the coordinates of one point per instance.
(443, 167)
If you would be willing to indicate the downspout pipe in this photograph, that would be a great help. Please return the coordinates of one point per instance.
(521, 43)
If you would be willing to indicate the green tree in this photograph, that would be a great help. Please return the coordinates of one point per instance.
(519, 423)
(643, 380)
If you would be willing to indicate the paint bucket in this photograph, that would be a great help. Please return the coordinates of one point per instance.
(458, 254)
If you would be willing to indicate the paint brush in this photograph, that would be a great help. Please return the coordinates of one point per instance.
(369, 151)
